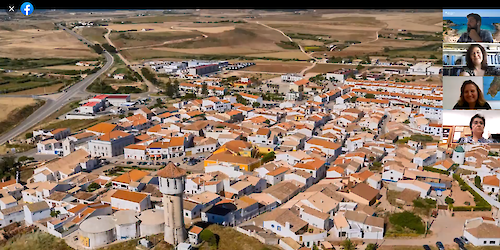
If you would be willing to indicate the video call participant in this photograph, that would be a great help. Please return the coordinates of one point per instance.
(476, 125)
(471, 97)
(474, 32)
(476, 62)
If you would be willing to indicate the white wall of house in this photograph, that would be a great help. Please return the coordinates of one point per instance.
(124, 204)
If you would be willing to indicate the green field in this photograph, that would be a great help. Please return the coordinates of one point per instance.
(94, 34)
(29, 63)
(10, 84)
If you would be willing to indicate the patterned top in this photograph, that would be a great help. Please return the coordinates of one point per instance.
(469, 139)
(490, 71)
(485, 35)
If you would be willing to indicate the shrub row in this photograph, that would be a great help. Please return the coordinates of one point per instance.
(481, 203)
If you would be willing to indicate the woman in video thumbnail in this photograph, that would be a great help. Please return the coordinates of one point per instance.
(477, 63)
(477, 123)
(471, 97)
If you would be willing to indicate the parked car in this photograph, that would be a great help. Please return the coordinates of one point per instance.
(458, 241)
(158, 163)
(129, 162)
(464, 240)
(440, 245)
(185, 159)
(426, 247)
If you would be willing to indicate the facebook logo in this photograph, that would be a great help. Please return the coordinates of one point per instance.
(27, 8)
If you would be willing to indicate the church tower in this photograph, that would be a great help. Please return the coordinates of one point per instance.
(171, 180)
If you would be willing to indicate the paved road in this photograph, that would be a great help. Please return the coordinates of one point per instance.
(151, 87)
(52, 105)
(300, 47)
(485, 196)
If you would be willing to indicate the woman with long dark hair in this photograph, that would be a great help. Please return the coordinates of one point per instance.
(477, 62)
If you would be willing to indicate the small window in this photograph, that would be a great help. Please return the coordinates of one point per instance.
(272, 225)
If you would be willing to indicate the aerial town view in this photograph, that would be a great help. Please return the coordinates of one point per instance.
(312, 129)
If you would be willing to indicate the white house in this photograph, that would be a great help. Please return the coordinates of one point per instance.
(50, 146)
(286, 223)
(422, 187)
(482, 231)
(370, 227)
(393, 173)
(491, 184)
(124, 199)
(36, 211)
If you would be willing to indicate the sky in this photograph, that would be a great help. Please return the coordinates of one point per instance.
(465, 12)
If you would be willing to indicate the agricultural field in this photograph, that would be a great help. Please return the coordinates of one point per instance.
(8, 104)
(278, 67)
(39, 43)
(93, 34)
(322, 68)
(138, 38)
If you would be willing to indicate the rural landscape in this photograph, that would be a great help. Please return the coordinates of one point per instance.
(306, 120)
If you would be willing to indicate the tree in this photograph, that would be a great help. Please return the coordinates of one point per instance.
(348, 245)
(208, 236)
(256, 104)
(28, 135)
(204, 89)
(93, 187)
(449, 200)
(54, 213)
(371, 246)
(170, 91)
(477, 182)
(370, 96)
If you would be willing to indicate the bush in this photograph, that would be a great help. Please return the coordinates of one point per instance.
(93, 187)
(408, 220)
(477, 182)
(436, 170)
(449, 200)
(208, 236)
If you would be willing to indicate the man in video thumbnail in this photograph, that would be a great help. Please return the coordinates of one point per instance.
(474, 32)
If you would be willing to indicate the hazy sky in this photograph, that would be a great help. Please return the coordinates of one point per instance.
(465, 12)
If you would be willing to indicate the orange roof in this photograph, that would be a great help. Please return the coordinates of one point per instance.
(258, 119)
(337, 169)
(491, 180)
(324, 143)
(233, 112)
(176, 141)
(196, 230)
(129, 196)
(103, 127)
(77, 208)
(135, 146)
(136, 117)
(194, 113)
(278, 171)
(58, 130)
(301, 82)
(113, 135)
(249, 96)
(263, 131)
(132, 175)
(363, 175)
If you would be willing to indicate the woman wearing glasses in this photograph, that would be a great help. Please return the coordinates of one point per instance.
(477, 123)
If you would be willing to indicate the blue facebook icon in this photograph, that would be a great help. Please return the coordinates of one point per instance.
(27, 8)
